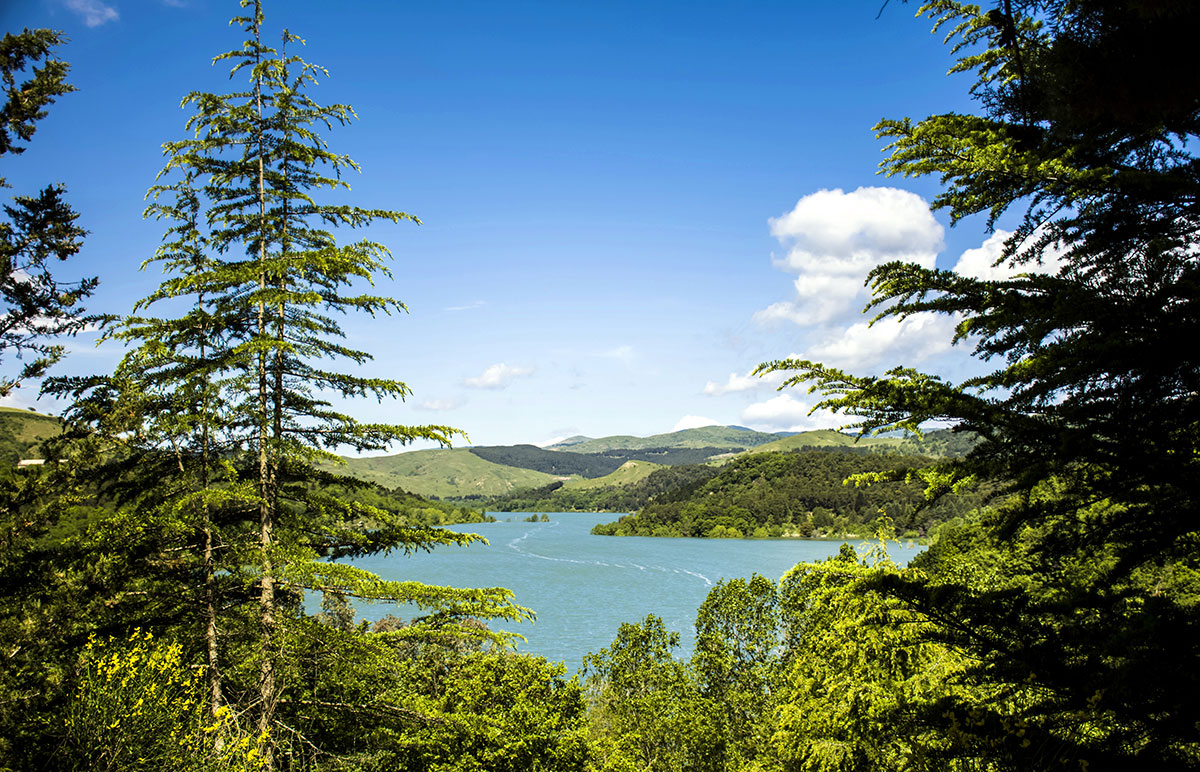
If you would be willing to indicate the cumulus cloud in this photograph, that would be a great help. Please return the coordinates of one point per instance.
(888, 341)
(498, 376)
(980, 263)
(442, 404)
(787, 413)
(735, 383)
(834, 238)
(693, 422)
(93, 12)
(748, 382)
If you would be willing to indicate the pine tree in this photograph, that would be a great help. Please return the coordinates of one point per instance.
(245, 370)
(41, 228)
(1068, 592)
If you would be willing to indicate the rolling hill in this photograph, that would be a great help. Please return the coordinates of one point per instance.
(553, 462)
(630, 472)
(942, 442)
(21, 431)
(826, 438)
(443, 473)
(500, 470)
(724, 437)
(798, 493)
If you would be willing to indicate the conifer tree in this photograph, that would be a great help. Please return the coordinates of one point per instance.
(38, 229)
(1077, 590)
(246, 370)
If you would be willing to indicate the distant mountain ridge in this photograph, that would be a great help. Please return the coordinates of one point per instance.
(727, 437)
(595, 465)
(499, 470)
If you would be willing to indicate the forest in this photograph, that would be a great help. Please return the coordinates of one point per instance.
(795, 494)
(153, 570)
(591, 465)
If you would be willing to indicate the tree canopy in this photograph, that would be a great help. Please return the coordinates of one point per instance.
(1088, 421)
(37, 229)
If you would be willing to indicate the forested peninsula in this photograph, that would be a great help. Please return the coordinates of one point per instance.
(165, 544)
(798, 494)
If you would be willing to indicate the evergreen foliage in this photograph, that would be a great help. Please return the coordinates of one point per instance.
(1071, 594)
(152, 573)
(222, 408)
(37, 229)
(593, 465)
(805, 493)
(556, 497)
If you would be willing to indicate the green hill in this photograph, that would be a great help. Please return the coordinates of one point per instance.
(21, 431)
(825, 438)
(723, 437)
(590, 465)
(630, 472)
(443, 473)
(801, 493)
(943, 442)
(626, 490)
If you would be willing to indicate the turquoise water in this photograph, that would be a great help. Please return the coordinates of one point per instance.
(583, 587)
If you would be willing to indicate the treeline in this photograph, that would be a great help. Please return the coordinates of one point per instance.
(412, 509)
(587, 465)
(803, 493)
(592, 465)
(556, 497)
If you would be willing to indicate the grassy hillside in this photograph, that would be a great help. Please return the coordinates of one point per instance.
(595, 496)
(590, 465)
(444, 473)
(630, 472)
(706, 436)
(825, 438)
(942, 442)
(21, 431)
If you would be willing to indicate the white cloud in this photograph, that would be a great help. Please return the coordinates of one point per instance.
(734, 384)
(786, 413)
(748, 382)
(835, 238)
(889, 341)
(497, 376)
(693, 422)
(980, 263)
(94, 12)
(619, 352)
(442, 404)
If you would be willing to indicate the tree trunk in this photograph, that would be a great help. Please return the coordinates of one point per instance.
(268, 691)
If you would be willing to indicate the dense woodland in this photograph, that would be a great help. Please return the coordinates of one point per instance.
(803, 493)
(625, 498)
(152, 571)
(592, 465)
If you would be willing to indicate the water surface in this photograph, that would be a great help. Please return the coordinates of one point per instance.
(583, 587)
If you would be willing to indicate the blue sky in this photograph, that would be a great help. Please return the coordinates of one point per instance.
(626, 206)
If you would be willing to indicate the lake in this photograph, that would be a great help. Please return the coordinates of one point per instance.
(583, 587)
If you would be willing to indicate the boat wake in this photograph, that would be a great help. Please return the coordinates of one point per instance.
(516, 546)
